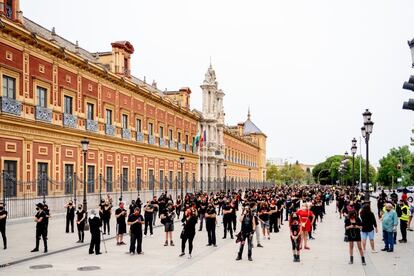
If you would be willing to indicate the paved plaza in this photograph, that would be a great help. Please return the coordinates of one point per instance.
(328, 255)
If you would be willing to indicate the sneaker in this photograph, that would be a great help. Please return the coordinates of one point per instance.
(166, 243)
(215, 245)
(141, 253)
(189, 256)
(151, 235)
(374, 251)
(172, 243)
(35, 250)
(122, 243)
(268, 238)
(384, 249)
(182, 254)
(132, 253)
(208, 244)
(238, 258)
(250, 259)
(259, 245)
(145, 235)
(390, 250)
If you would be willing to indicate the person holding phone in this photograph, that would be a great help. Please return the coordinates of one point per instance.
(135, 221)
(248, 227)
(353, 227)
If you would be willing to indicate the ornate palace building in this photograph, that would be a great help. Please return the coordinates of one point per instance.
(55, 94)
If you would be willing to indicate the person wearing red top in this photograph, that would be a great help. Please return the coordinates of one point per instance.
(306, 217)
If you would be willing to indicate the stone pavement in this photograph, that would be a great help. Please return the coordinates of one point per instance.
(328, 255)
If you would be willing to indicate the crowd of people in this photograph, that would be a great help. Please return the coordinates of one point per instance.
(249, 216)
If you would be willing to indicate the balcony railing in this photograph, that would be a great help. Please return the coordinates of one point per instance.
(140, 137)
(151, 139)
(162, 142)
(91, 125)
(110, 130)
(179, 146)
(11, 106)
(171, 144)
(187, 148)
(70, 120)
(126, 133)
(43, 114)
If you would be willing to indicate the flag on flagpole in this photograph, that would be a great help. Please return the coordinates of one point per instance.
(203, 138)
(196, 140)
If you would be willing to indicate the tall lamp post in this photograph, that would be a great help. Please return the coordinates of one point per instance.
(250, 173)
(182, 174)
(85, 145)
(346, 156)
(366, 131)
(353, 151)
(225, 178)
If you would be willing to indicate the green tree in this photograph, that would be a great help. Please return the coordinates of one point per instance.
(272, 173)
(398, 163)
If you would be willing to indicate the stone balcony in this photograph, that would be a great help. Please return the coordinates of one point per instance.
(11, 106)
(187, 148)
(140, 137)
(179, 146)
(126, 133)
(43, 114)
(171, 144)
(70, 120)
(91, 125)
(110, 130)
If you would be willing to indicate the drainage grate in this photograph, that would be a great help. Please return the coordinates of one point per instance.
(43, 266)
(88, 268)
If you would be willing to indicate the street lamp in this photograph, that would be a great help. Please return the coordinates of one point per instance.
(353, 150)
(85, 145)
(225, 178)
(182, 172)
(366, 131)
(250, 172)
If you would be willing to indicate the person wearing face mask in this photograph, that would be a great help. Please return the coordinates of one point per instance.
(253, 207)
(120, 215)
(248, 226)
(80, 223)
(40, 218)
(135, 221)
(389, 224)
(353, 227)
(227, 218)
(404, 217)
(70, 215)
(167, 218)
(295, 233)
(189, 223)
(3, 218)
(211, 221)
(411, 206)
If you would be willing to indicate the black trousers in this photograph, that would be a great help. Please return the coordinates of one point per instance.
(190, 238)
(81, 231)
(403, 228)
(202, 217)
(249, 238)
(41, 233)
(178, 211)
(148, 222)
(3, 235)
(273, 224)
(136, 238)
(234, 221)
(227, 226)
(95, 243)
(106, 225)
(69, 220)
(211, 233)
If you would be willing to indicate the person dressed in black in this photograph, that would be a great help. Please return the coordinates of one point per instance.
(189, 223)
(95, 224)
(248, 227)
(211, 221)
(3, 218)
(47, 217)
(80, 223)
(149, 216)
(70, 215)
(274, 217)
(178, 206)
(353, 227)
(105, 214)
(132, 207)
(40, 219)
(135, 221)
(154, 203)
(227, 218)
(167, 218)
(120, 215)
(202, 212)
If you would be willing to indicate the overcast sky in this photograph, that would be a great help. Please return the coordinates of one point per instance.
(307, 69)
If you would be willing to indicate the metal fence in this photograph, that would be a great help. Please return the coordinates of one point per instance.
(20, 197)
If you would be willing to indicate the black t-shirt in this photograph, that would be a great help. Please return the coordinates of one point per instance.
(154, 203)
(211, 211)
(121, 218)
(203, 207)
(262, 216)
(41, 214)
(136, 228)
(3, 221)
(79, 215)
(273, 208)
(227, 207)
(70, 211)
(149, 212)
(247, 224)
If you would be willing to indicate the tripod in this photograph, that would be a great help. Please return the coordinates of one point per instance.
(103, 240)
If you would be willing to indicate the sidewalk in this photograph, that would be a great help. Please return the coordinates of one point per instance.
(328, 255)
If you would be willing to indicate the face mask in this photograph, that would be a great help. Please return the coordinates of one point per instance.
(70, 204)
(1, 208)
(136, 213)
(80, 208)
(37, 208)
